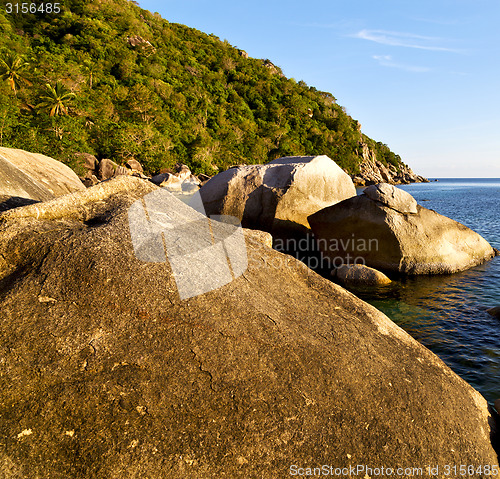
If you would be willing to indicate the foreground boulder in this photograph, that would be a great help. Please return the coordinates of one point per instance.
(35, 177)
(106, 373)
(278, 197)
(385, 229)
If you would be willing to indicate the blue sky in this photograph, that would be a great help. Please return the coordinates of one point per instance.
(421, 76)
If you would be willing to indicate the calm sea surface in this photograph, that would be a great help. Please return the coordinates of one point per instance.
(448, 313)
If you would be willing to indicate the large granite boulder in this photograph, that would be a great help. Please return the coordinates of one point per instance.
(385, 229)
(107, 373)
(26, 177)
(279, 196)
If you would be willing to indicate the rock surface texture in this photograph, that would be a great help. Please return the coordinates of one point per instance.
(389, 231)
(279, 196)
(106, 373)
(35, 177)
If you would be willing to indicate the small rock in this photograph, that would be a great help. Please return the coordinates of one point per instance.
(494, 311)
(159, 179)
(203, 178)
(241, 460)
(90, 180)
(134, 165)
(393, 197)
(86, 161)
(46, 299)
(25, 432)
(361, 275)
(142, 410)
(172, 183)
(106, 169)
(182, 171)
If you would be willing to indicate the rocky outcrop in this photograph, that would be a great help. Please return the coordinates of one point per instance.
(360, 275)
(272, 68)
(26, 177)
(372, 171)
(139, 43)
(387, 230)
(279, 196)
(107, 373)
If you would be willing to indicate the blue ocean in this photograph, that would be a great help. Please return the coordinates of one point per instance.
(448, 314)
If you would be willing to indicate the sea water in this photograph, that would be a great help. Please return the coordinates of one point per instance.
(447, 313)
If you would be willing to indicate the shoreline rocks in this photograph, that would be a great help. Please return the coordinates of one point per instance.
(373, 171)
(108, 370)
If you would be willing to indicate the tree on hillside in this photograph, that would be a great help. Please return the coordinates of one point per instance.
(12, 70)
(55, 99)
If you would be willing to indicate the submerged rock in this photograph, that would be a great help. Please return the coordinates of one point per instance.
(279, 196)
(106, 372)
(360, 275)
(387, 230)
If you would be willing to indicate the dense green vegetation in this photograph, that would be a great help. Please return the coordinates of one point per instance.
(108, 78)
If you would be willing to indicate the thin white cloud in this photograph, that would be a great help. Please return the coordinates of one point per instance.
(387, 61)
(401, 39)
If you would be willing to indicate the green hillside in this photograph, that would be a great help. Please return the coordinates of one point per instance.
(108, 78)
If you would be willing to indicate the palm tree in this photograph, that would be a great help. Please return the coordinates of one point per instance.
(12, 69)
(55, 98)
